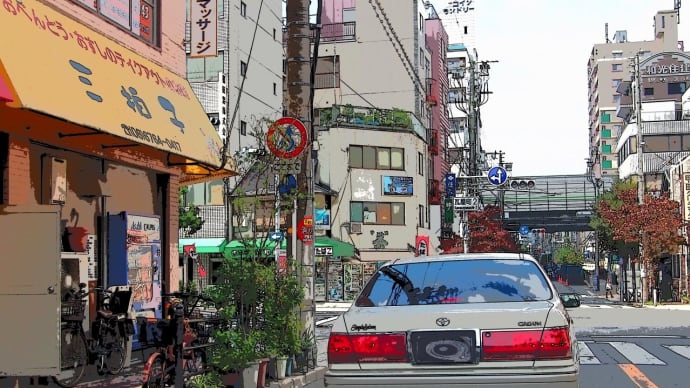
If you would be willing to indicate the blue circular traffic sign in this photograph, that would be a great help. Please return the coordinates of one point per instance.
(497, 176)
(524, 230)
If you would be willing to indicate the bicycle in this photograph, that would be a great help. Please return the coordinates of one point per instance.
(107, 340)
(110, 330)
(73, 349)
(164, 367)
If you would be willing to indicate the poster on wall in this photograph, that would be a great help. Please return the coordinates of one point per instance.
(397, 185)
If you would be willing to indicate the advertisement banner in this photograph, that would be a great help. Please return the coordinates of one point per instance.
(204, 29)
(422, 246)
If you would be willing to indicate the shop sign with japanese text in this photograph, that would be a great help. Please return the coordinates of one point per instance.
(204, 28)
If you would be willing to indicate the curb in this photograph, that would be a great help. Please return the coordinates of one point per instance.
(300, 381)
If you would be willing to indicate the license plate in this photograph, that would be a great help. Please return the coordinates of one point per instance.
(443, 347)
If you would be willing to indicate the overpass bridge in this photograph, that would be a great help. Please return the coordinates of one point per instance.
(556, 203)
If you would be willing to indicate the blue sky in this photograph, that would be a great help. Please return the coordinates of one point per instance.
(538, 112)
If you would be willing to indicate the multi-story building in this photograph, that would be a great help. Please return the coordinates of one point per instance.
(373, 127)
(241, 84)
(97, 119)
(608, 66)
(438, 134)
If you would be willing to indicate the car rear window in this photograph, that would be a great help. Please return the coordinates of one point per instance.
(456, 282)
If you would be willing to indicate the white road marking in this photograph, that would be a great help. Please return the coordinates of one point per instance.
(683, 350)
(636, 354)
(586, 355)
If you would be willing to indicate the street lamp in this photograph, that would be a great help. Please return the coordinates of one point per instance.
(596, 183)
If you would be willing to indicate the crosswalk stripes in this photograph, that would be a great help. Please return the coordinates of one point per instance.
(633, 352)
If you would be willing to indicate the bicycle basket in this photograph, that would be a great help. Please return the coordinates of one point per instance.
(73, 310)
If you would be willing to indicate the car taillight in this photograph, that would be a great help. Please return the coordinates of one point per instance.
(354, 348)
(525, 345)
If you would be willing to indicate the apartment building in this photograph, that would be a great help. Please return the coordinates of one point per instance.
(240, 84)
(609, 64)
(375, 123)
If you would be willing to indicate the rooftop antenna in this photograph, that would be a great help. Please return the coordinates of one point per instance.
(606, 31)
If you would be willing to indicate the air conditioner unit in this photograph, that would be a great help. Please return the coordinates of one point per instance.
(355, 228)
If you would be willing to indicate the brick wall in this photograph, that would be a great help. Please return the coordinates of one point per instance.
(18, 188)
(172, 276)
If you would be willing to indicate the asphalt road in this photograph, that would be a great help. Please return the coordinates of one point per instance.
(621, 346)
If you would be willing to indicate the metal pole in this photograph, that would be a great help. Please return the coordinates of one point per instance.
(640, 160)
(276, 182)
(299, 106)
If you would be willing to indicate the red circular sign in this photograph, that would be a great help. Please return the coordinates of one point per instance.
(287, 138)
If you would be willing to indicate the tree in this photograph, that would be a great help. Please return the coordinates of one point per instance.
(189, 220)
(567, 254)
(654, 225)
(486, 234)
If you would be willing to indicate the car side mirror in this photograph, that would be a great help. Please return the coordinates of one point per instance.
(570, 300)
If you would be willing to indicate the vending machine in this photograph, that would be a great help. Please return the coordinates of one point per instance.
(134, 259)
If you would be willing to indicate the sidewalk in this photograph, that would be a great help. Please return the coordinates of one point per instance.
(131, 378)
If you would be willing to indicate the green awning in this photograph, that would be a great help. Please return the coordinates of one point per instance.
(239, 248)
(204, 245)
(340, 248)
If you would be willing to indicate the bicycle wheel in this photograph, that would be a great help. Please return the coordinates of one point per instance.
(115, 355)
(195, 363)
(156, 376)
(74, 357)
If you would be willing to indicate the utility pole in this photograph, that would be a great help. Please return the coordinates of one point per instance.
(299, 106)
(640, 162)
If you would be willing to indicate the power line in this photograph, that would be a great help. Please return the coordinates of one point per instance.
(404, 58)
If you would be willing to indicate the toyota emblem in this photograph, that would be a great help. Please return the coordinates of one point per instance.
(443, 321)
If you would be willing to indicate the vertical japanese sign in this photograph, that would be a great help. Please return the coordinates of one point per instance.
(204, 28)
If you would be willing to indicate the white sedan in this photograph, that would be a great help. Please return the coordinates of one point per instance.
(474, 320)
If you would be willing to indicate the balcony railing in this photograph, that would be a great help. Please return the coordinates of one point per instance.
(335, 32)
(435, 193)
(369, 117)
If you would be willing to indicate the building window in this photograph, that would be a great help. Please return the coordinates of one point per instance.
(274, 34)
(676, 88)
(243, 9)
(378, 213)
(420, 216)
(617, 67)
(465, 30)
(243, 68)
(617, 98)
(606, 148)
(275, 89)
(617, 54)
(649, 91)
(616, 82)
(205, 69)
(420, 163)
(243, 128)
(139, 17)
(606, 133)
(378, 158)
(607, 164)
(605, 117)
(327, 73)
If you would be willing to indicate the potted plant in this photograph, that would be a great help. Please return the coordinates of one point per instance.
(304, 356)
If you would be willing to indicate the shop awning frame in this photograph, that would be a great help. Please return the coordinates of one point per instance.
(111, 90)
(204, 245)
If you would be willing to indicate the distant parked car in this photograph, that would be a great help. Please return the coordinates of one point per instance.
(488, 320)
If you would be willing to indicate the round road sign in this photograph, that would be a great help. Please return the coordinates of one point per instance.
(287, 138)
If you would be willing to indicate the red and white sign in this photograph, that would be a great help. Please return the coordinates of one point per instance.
(422, 246)
(287, 138)
(305, 230)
